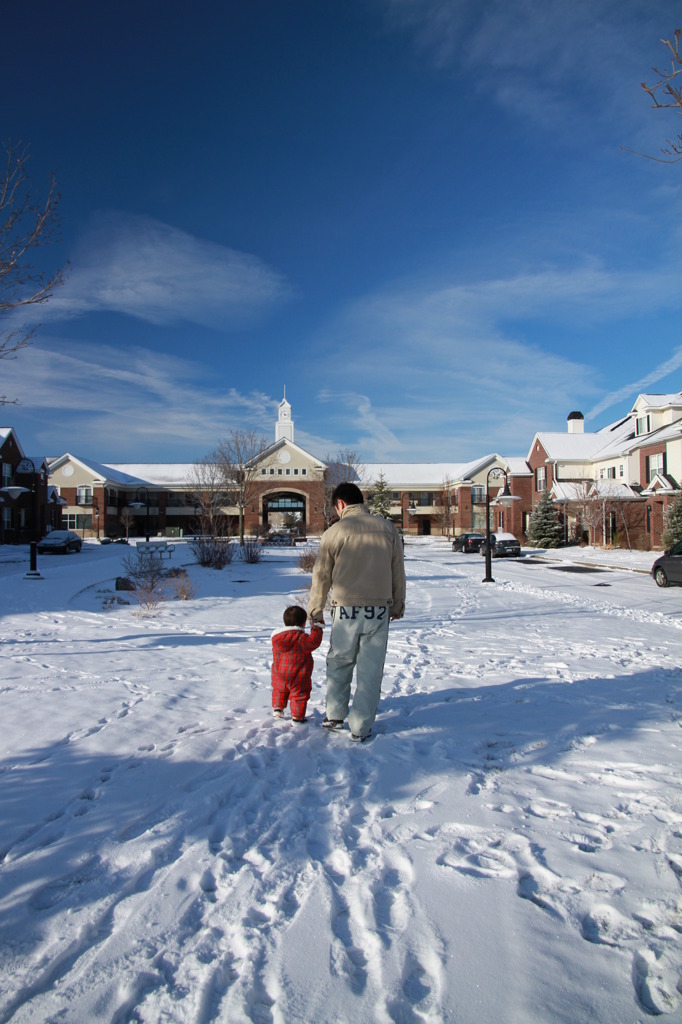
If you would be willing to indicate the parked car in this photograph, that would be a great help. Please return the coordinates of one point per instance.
(502, 545)
(468, 542)
(60, 542)
(668, 568)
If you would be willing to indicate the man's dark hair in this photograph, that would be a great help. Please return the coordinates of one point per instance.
(294, 615)
(348, 493)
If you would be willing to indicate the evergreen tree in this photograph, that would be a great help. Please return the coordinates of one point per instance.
(673, 523)
(380, 500)
(544, 528)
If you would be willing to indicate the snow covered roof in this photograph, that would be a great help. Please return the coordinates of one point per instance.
(662, 483)
(657, 401)
(109, 473)
(613, 489)
(427, 474)
(518, 466)
(159, 474)
(588, 447)
(5, 433)
(565, 491)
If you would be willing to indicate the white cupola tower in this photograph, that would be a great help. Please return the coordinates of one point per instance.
(284, 430)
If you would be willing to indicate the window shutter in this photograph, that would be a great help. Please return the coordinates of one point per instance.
(646, 471)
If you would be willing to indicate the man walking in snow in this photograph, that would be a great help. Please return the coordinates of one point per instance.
(361, 561)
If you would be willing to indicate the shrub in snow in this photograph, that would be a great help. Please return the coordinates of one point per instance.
(251, 551)
(213, 552)
(149, 581)
(544, 528)
(306, 560)
(673, 523)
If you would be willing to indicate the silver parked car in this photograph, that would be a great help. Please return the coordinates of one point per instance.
(60, 542)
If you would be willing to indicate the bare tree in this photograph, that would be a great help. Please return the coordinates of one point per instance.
(237, 458)
(666, 94)
(445, 504)
(343, 468)
(587, 508)
(205, 490)
(27, 221)
(126, 519)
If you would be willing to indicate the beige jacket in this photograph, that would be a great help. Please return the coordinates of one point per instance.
(361, 561)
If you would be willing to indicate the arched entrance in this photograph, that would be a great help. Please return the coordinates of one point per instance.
(283, 508)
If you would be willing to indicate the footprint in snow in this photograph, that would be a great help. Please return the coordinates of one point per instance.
(605, 926)
(655, 985)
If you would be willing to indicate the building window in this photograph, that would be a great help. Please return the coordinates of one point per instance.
(288, 472)
(279, 472)
(601, 474)
(304, 472)
(611, 472)
(263, 472)
(295, 472)
(643, 425)
(477, 494)
(272, 472)
(6, 474)
(621, 470)
(655, 465)
(69, 520)
(84, 496)
(541, 478)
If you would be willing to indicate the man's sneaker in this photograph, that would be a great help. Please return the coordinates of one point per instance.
(360, 739)
(332, 723)
(278, 713)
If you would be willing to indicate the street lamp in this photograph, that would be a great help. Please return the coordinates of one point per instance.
(142, 504)
(506, 498)
(28, 466)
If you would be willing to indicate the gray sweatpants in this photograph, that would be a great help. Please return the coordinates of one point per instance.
(359, 638)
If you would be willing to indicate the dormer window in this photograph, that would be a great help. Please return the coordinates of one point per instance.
(643, 425)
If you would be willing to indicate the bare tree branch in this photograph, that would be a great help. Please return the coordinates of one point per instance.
(666, 94)
(27, 222)
(237, 459)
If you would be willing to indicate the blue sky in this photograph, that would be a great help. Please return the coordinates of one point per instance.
(416, 215)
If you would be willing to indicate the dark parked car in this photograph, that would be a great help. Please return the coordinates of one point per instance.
(502, 545)
(60, 542)
(668, 568)
(467, 542)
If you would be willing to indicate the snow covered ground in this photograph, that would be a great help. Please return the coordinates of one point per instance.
(508, 847)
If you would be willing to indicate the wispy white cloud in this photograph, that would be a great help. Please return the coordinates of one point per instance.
(628, 391)
(544, 61)
(154, 272)
(446, 369)
(139, 407)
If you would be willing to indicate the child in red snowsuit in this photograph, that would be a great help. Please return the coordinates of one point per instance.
(292, 663)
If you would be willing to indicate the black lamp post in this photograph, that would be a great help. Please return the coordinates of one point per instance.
(28, 466)
(506, 498)
(142, 504)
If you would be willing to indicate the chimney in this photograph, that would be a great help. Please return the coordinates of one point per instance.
(576, 423)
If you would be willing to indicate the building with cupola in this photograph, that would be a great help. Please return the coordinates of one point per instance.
(608, 486)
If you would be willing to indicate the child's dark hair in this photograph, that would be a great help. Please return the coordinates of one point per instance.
(294, 615)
